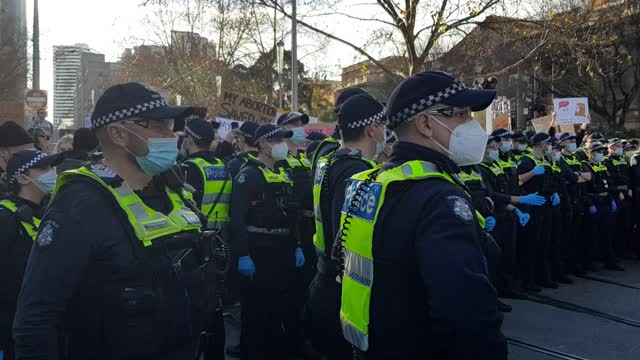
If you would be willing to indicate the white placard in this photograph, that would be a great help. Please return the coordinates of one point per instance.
(571, 110)
(225, 126)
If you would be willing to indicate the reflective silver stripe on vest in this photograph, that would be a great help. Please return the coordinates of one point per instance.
(354, 336)
(308, 213)
(622, 187)
(138, 211)
(406, 170)
(258, 230)
(358, 268)
(208, 199)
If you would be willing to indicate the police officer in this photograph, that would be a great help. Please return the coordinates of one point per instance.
(410, 225)
(243, 145)
(30, 179)
(263, 209)
(575, 177)
(536, 176)
(619, 170)
(361, 124)
(558, 244)
(601, 207)
(211, 187)
(497, 175)
(583, 151)
(520, 145)
(119, 258)
(298, 168)
(332, 143)
(13, 138)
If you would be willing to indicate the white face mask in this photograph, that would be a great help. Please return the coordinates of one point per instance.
(467, 143)
(279, 151)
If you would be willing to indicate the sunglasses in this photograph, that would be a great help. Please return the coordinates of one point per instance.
(449, 111)
(152, 124)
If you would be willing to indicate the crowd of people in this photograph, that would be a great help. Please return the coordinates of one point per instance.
(394, 238)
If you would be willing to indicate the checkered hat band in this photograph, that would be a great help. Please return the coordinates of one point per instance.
(24, 168)
(269, 134)
(192, 133)
(127, 113)
(425, 103)
(379, 117)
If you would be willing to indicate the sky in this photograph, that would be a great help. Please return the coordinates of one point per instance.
(108, 27)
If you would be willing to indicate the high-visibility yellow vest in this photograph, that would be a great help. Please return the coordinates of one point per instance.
(357, 243)
(322, 167)
(30, 227)
(217, 190)
(496, 168)
(147, 223)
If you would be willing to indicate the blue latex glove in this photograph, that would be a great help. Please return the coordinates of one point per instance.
(299, 258)
(533, 199)
(522, 217)
(593, 210)
(489, 223)
(246, 267)
(538, 170)
(555, 199)
(614, 207)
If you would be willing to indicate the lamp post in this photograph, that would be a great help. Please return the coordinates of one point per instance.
(294, 57)
(280, 58)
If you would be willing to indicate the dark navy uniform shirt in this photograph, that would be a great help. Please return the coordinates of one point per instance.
(431, 298)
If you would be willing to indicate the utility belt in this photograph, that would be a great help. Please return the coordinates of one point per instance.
(622, 187)
(599, 198)
(265, 231)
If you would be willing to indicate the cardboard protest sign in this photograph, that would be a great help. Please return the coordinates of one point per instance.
(542, 124)
(234, 106)
(571, 111)
(226, 126)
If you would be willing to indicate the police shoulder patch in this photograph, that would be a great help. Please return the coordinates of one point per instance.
(47, 233)
(242, 178)
(102, 171)
(461, 208)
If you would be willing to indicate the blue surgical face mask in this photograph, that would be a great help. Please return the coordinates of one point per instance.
(493, 155)
(46, 182)
(298, 135)
(506, 146)
(547, 150)
(379, 149)
(279, 151)
(522, 147)
(572, 147)
(619, 151)
(162, 154)
(599, 157)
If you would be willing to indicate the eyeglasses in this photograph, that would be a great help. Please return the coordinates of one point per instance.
(46, 137)
(450, 111)
(166, 124)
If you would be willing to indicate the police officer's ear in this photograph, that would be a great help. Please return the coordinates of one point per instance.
(424, 125)
(23, 179)
(117, 135)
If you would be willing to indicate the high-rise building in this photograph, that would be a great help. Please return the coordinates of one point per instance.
(13, 59)
(80, 77)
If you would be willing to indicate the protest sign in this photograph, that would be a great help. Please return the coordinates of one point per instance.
(226, 126)
(241, 108)
(542, 124)
(571, 111)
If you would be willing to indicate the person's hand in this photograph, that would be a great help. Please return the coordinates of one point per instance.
(538, 170)
(299, 258)
(614, 207)
(246, 267)
(523, 218)
(593, 210)
(621, 197)
(489, 223)
(584, 126)
(555, 199)
(533, 199)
